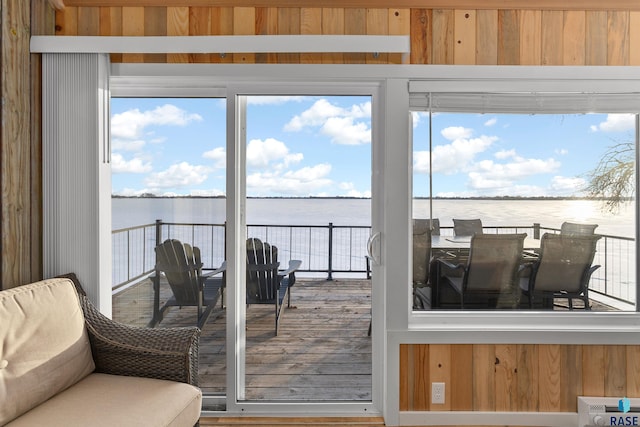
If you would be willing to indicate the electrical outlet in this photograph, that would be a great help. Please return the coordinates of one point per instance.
(437, 393)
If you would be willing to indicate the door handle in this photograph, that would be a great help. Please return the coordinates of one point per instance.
(373, 254)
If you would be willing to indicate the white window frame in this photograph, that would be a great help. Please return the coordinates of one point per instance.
(394, 322)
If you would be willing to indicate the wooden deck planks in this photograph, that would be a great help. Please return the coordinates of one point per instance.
(322, 351)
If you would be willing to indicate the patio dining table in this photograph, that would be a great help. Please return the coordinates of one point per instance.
(457, 247)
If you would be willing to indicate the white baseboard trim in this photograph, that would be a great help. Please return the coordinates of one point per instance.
(445, 418)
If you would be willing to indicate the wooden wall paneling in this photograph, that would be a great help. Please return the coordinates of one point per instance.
(484, 383)
(552, 36)
(266, 24)
(440, 371)
(311, 23)
(15, 143)
(421, 33)
(570, 377)
(43, 20)
(593, 370)
(634, 38)
(132, 25)
(464, 33)
(549, 360)
(155, 24)
(506, 378)
(222, 25)
(633, 370)
(333, 23)
(289, 23)
(618, 38)
(595, 37)
(355, 23)
(421, 377)
(377, 24)
(461, 394)
(527, 372)
(244, 19)
(573, 38)
(111, 25)
(508, 37)
(615, 368)
(67, 22)
(530, 37)
(199, 25)
(443, 36)
(88, 21)
(405, 377)
(487, 37)
(399, 25)
(178, 25)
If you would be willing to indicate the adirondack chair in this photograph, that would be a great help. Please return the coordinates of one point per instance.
(180, 263)
(266, 284)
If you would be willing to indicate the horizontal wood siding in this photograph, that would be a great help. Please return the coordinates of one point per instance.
(515, 377)
(470, 36)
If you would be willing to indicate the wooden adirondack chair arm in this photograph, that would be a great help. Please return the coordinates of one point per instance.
(294, 265)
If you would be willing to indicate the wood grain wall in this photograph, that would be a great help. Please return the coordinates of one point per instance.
(438, 36)
(514, 377)
(484, 377)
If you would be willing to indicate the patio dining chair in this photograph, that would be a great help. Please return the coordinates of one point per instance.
(266, 284)
(489, 278)
(467, 227)
(563, 269)
(575, 228)
(180, 264)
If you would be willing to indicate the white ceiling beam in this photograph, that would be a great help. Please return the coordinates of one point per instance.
(222, 44)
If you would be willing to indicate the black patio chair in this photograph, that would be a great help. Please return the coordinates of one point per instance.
(266, 284)
(180, 264)
(467, 227)
(563, 269)
(489, 278)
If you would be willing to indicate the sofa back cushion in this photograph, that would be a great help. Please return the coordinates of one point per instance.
(44, 346)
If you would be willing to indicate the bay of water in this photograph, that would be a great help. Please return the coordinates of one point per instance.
(129, 212)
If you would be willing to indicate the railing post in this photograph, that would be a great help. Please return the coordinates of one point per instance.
(330, 260)
(536, 230)
(156, 278)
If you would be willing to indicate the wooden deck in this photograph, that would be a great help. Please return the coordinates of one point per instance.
(322, 351)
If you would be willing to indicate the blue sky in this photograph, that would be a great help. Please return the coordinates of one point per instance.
(321, 146)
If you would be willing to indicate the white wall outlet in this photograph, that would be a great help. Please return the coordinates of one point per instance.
(437, 393)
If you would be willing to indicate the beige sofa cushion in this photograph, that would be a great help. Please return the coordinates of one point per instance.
(112, 400)
(44, 346)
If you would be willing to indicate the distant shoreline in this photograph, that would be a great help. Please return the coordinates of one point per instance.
(509, 198)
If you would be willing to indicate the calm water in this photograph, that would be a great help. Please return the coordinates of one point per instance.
(549, 213)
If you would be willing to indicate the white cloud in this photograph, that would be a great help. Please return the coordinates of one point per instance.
(567, 185)
(454, 133)
(263, 154)
(491, 122)
(488, 174)
(341, 125)
(562, 151)
(178, 175)
(207, 193)
(616, 123)
(135, 165)
(348, 190)
(131, 124)
(457, 156)
(506, 154)
(219, 157)
(302, 182)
